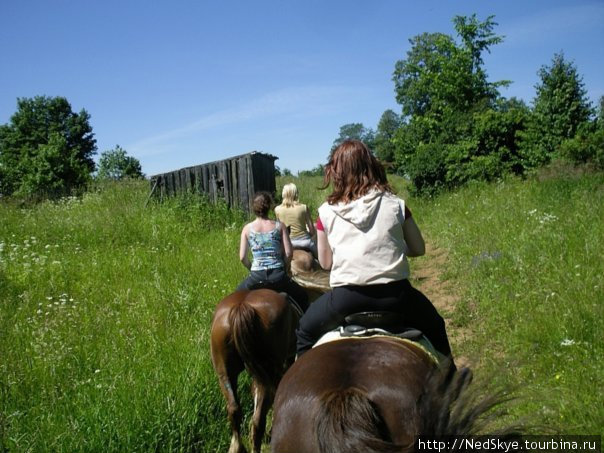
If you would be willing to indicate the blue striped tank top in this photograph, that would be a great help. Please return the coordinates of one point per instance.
(266, 248)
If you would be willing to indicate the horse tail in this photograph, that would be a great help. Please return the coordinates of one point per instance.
(348, 421)
(247, 333)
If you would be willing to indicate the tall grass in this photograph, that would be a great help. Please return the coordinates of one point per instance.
(528, 257)
(105, 308)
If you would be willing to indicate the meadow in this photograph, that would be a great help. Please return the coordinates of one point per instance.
(106, 303)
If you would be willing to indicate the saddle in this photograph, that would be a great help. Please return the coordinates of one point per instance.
(384, 323)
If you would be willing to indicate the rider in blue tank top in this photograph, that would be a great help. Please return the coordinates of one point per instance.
(266, 248)
(271, 248)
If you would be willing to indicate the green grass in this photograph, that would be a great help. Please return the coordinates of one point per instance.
(105, 308)
(528, 257)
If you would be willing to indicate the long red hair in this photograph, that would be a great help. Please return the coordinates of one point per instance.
(354, 170)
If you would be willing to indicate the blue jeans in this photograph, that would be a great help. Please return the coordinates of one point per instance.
(277, 280)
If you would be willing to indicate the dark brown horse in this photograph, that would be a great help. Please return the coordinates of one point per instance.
(253, 330)
(366, 395)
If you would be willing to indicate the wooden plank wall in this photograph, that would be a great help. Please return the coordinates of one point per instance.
(233, 180)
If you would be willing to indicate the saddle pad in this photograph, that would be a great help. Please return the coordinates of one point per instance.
(423, 343)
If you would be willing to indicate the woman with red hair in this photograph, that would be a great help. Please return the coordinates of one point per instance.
(364, 235)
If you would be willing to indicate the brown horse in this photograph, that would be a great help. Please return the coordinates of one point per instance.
(367, 395)
(305, 270)
(253, 330)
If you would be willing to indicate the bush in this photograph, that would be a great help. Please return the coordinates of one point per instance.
(426, 169)
(586, 146)
(483, 147)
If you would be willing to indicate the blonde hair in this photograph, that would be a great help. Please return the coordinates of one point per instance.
(289, 195)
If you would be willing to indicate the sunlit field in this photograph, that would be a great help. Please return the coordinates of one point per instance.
(106, 303)
(528, 257)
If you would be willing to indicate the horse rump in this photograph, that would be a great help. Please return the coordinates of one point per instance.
(246, 333)
(348, 421)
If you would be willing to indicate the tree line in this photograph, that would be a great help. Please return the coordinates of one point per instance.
(455, 126)
(46, 150)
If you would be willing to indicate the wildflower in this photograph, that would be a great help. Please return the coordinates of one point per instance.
(567, 342)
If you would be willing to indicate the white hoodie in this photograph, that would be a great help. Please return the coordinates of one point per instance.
(366, 239)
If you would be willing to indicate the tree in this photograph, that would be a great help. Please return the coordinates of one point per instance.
(601, 111)
(446, 132)
(476, 37)
(319, 170)
(588, 143)
(561, 107)
(46, 149)
(354, 131)
(440, 76)
(116, 164)
(384, 145)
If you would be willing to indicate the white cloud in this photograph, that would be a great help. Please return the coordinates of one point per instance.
(295, 102)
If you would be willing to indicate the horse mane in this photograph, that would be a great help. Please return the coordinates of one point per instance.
(245, 328)
(348, 421)
(450, 407)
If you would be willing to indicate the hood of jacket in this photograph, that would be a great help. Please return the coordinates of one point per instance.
(360, 212)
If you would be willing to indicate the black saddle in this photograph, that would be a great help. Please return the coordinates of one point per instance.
(378, 323)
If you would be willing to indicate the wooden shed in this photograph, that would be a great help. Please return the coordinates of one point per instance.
(234, 180)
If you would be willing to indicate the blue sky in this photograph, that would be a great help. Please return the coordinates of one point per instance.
(180, 83)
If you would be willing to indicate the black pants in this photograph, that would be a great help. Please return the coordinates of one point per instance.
(329, 311)
(278, 280)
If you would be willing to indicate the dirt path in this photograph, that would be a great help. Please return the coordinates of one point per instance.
(427, 275)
